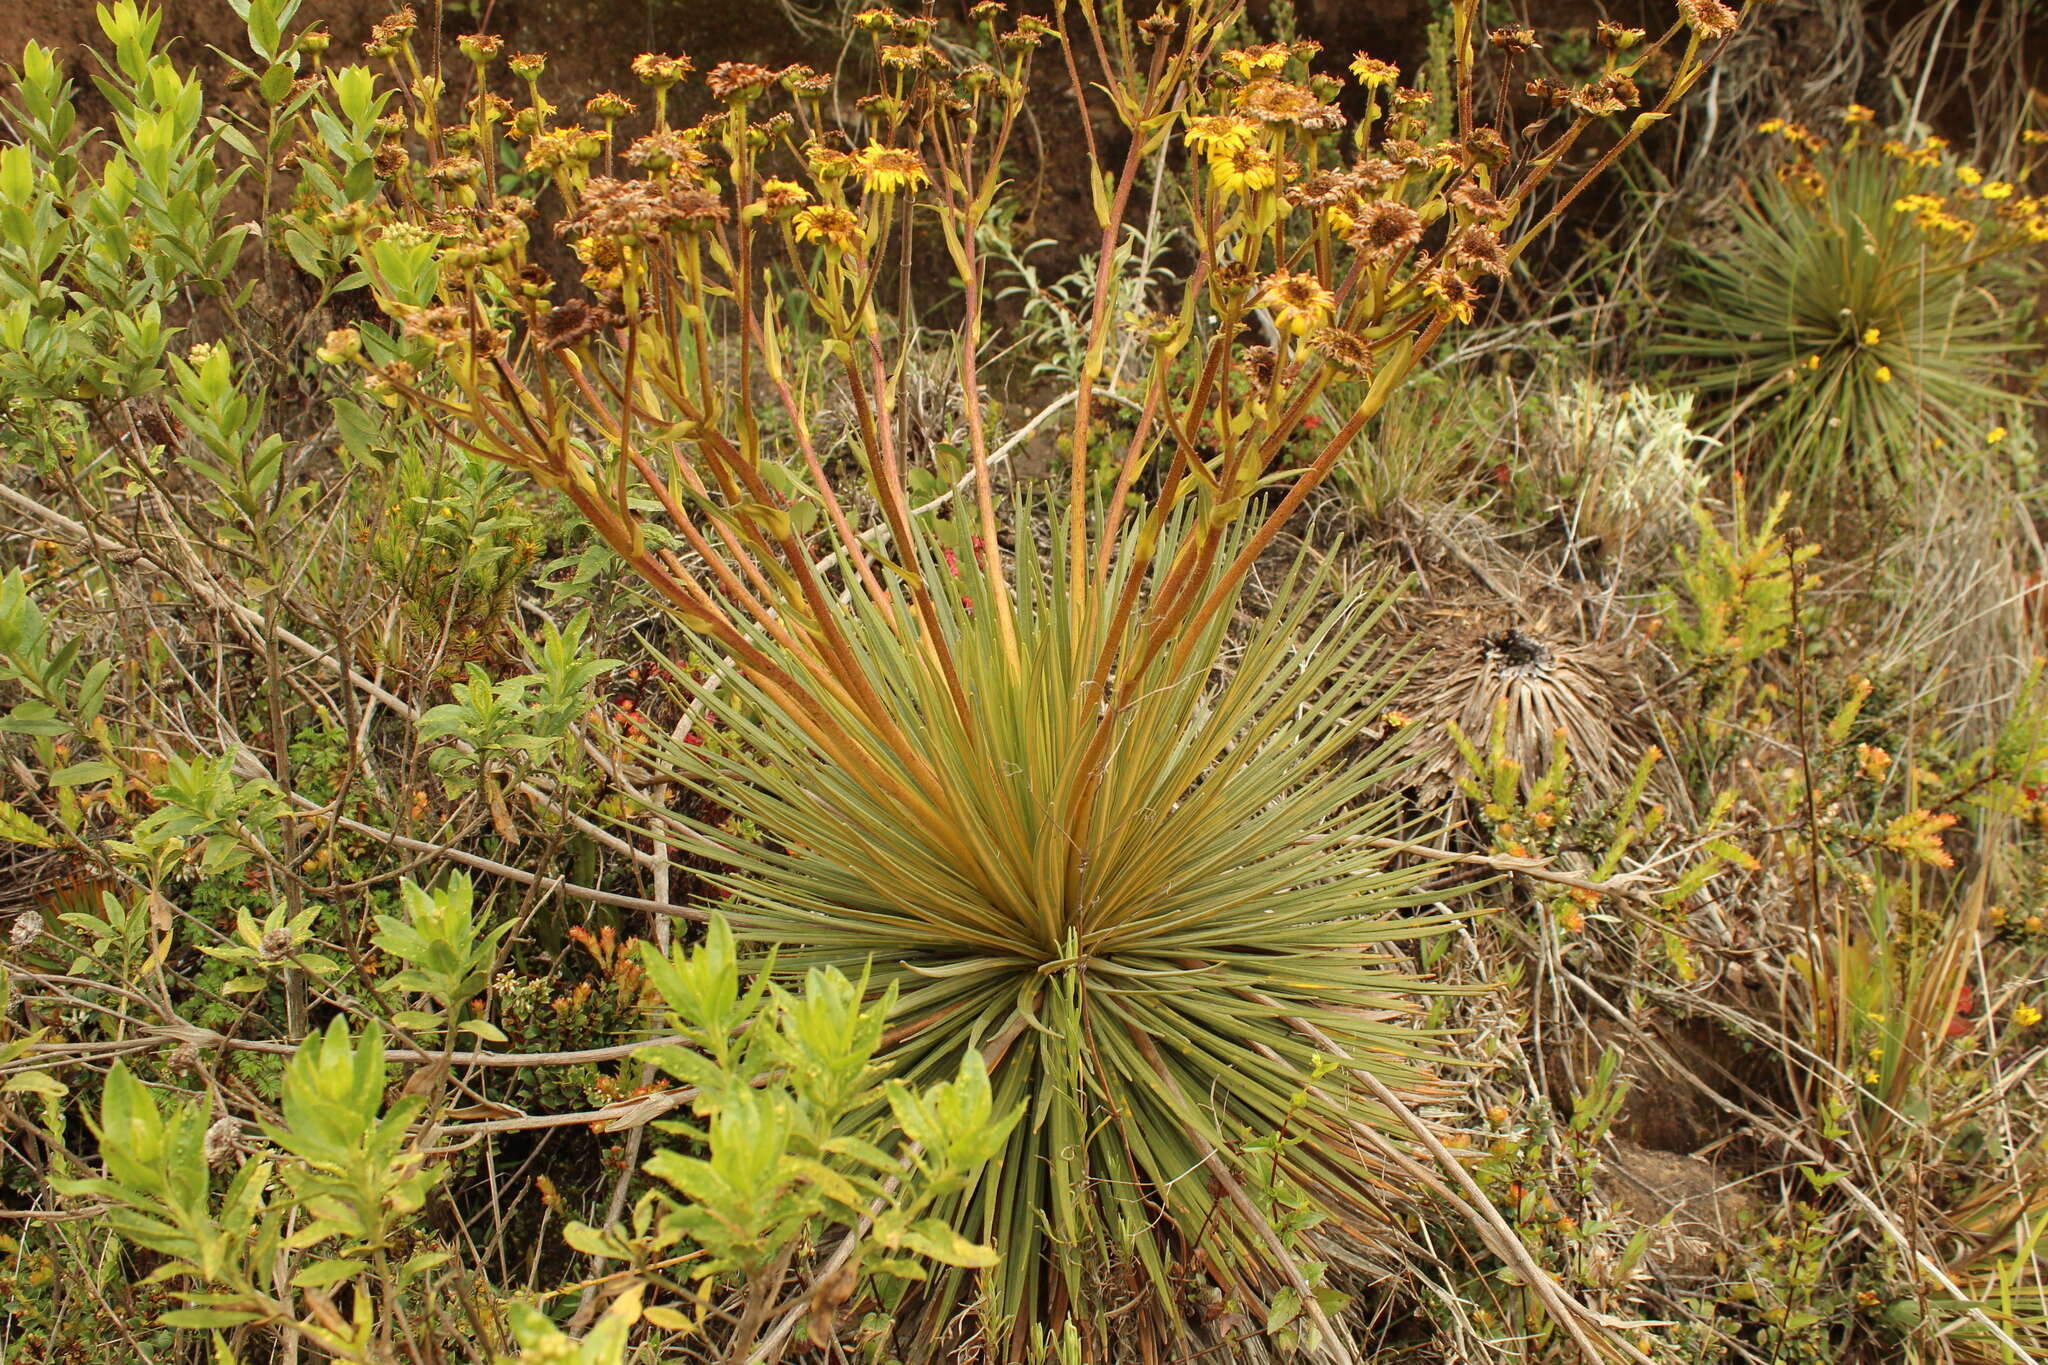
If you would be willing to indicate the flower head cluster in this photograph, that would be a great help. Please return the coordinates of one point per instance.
(1797, 133)
(1926, 156)
(1931, 214)
(640, 210)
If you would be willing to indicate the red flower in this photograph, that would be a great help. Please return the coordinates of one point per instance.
(1966, 1004)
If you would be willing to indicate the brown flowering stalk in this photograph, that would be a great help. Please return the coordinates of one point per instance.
(1355, 248)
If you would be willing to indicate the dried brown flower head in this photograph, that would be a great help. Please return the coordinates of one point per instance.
(1385, 230)
(453, 171)
(1475, 199)
(803, 80)
(739, 80)
(1596, 99)
(223, 1137)
(388, 34)
(1483, 146)
(1407, 153)
(442, 327)
(1481, 248)
(1256, 363)
(1711, 19)
(1324, 189)
(1617, 37)
(659, 71)
(1375, 172)
(532, 282)
(1029, 33)
(666, 150)
(908, 56)
(1346, 350)
(568, 323)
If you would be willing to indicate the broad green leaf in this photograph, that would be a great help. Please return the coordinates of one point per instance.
(36, 1083)
(322, 1274)
(81, 774)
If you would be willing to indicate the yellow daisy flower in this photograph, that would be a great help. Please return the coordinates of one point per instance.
(1300, 303)
(885, 170)
(1372, 72)
(834, 228)
(1219, 133)
(1244, 170)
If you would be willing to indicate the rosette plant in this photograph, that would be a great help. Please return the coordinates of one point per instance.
(1860, 314)
(1022, 762)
